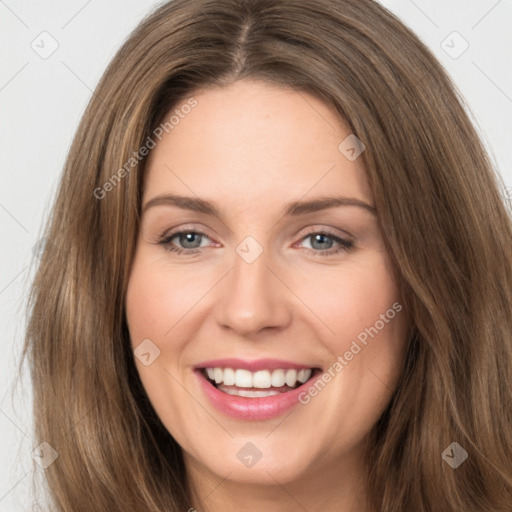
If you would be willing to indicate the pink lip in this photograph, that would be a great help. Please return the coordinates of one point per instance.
(253, 366)
(244, 408)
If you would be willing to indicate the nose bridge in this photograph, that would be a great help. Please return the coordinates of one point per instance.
(252, 297)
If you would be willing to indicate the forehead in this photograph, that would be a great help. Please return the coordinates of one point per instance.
(253, 140)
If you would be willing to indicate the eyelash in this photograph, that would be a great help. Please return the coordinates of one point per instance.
(344, 245)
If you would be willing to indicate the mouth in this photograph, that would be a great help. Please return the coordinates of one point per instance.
(256, 392)
(259, 384)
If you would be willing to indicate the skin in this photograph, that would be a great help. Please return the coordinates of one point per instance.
(251, 148)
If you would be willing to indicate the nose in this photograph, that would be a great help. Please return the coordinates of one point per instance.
(253, 297)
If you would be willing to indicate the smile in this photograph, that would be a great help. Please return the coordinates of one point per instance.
(254, 392)
(242, 382)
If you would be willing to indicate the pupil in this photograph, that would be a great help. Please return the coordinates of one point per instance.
(322, 238)
(187, 239)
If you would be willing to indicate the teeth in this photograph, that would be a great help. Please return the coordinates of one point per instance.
(278, 378)
(229, 377)
(243, 379)
(218, 375)
(262, 379)
(303, 375)
(291, 377)
(249, 393)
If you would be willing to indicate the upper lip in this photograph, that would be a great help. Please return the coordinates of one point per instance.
(253, 366)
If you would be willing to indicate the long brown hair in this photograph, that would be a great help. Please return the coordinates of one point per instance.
(445, 226)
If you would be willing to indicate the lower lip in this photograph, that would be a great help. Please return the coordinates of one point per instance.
(244, 408)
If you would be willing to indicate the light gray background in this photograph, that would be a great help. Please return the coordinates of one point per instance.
(42, 100)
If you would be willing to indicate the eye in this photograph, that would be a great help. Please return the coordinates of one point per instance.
(321, 243)
(189, 240)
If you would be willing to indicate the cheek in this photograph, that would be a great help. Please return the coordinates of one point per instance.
(365, 331)
(352, 298)
(153, 304)
(364, 323)
(153, 299)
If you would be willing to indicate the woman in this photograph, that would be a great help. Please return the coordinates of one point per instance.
(259, 368)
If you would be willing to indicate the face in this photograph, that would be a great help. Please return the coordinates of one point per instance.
(260, 265)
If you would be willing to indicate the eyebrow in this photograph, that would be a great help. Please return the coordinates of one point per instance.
(295, 208)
